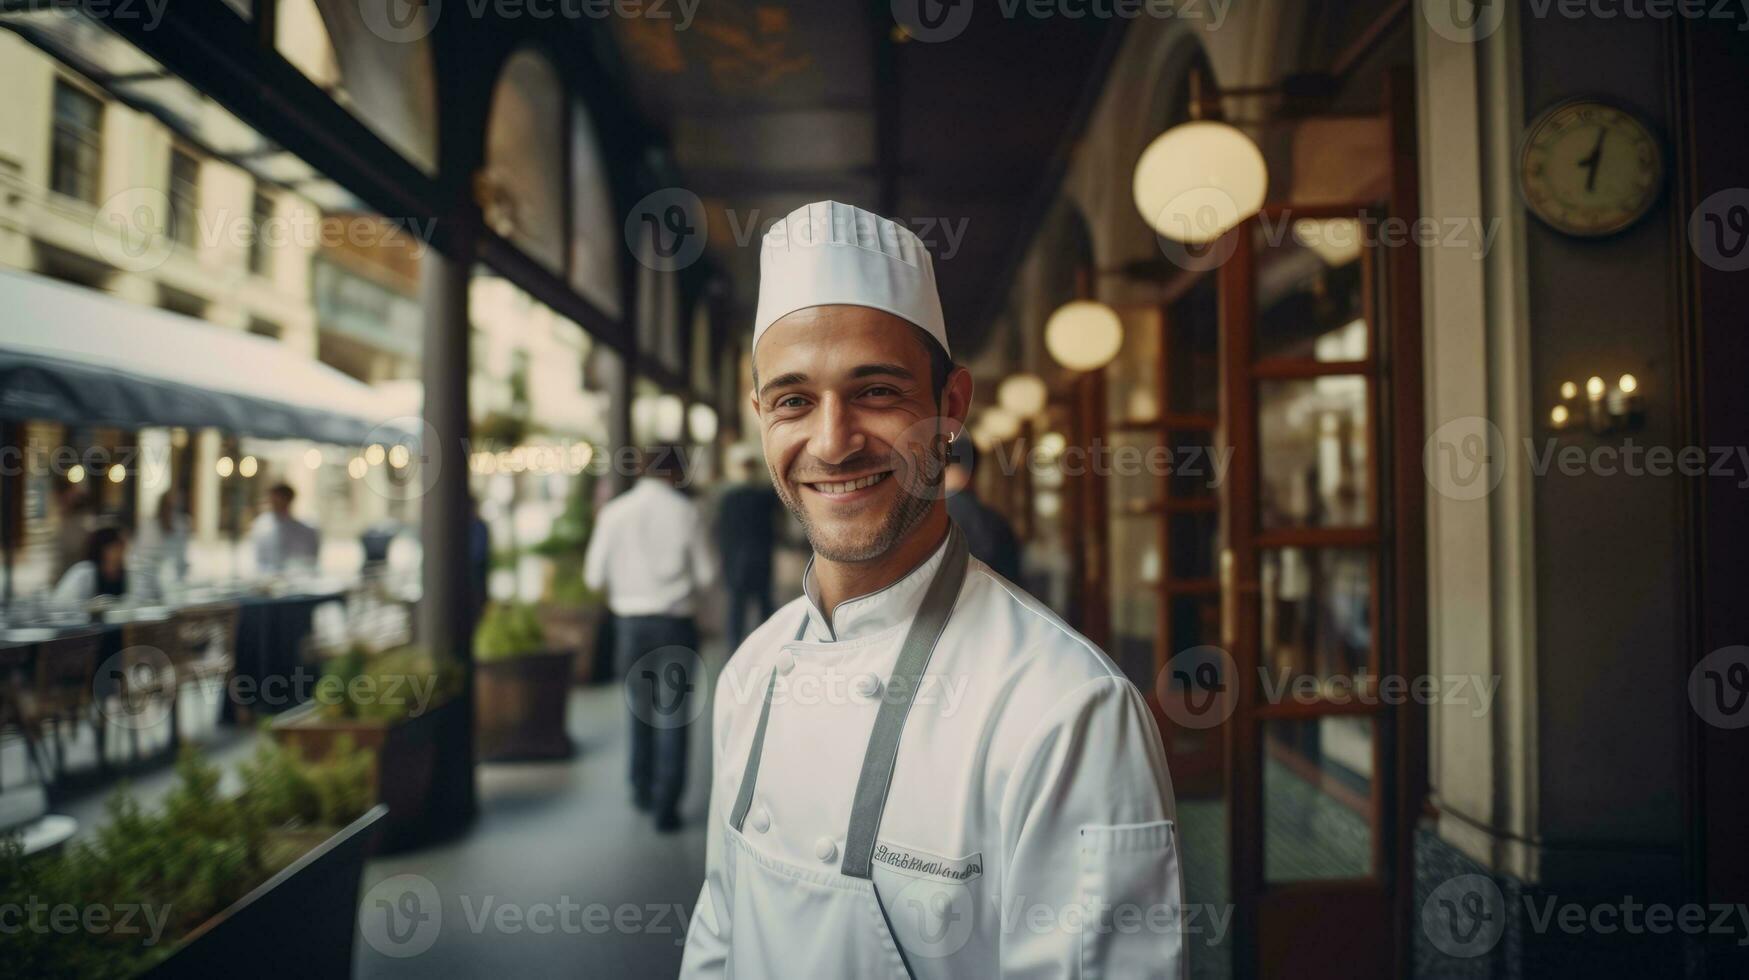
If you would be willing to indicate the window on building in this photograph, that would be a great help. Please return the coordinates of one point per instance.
(264, 328)
(78, 143)
(261, 215)
(177, 301)
(184, 197)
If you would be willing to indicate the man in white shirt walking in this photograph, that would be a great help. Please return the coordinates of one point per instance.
(649, 553)
(281, 540)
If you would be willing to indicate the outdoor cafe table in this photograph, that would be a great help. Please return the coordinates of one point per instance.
(269, 644)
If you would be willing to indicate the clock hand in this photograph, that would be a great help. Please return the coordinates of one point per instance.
(1591, 162)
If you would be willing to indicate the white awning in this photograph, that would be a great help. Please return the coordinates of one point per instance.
(74, 355)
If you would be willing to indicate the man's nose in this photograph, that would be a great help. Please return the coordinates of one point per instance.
(836, 436)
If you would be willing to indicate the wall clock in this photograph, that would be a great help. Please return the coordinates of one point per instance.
(1590, 168)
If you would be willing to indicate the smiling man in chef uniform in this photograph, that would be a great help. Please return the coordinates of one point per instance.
(920, 771)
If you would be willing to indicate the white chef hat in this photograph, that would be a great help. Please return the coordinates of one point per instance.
(829, 253)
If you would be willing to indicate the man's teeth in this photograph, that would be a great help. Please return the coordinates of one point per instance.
(867, 481)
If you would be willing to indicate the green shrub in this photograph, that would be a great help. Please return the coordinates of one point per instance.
(508, 630)
(287, 791)
(391, 681)
(174, 868)
(568, 590)
(566, 544)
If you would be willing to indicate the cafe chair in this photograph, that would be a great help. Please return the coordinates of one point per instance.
(61, 693)
(205, 649)
(145, 680)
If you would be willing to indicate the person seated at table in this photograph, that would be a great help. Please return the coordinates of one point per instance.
(281, 540)
(102, 572)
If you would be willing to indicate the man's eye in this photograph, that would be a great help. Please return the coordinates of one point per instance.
(881, 391)
(791, 401)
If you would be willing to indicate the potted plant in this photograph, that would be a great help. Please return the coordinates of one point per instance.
(571, 613)
(396, 705)
(521, 687)
(208, 883)
(571, 618)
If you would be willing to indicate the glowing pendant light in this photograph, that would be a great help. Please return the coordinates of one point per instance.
(1000, 424)
(1023, 394)
(1199, 180)
(1084, 335)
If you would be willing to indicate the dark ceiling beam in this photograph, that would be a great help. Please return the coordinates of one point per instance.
(1047, 189)
(742, 184)
(886, 116)
(717, 111)
(970, 184)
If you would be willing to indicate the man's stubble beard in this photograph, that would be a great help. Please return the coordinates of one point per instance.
(910, 512)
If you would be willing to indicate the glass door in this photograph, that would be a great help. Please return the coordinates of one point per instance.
(1165, 466)
(1302, 584)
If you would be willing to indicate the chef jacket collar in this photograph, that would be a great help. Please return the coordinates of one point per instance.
(879, 610)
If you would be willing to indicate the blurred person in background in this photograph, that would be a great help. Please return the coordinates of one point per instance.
(102, 572)
(281, 540)
(989, 536)
(650, 556)
(746, 534)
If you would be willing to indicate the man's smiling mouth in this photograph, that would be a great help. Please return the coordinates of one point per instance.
(848, 486)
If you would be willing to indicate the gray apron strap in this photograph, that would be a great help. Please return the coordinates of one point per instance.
(750, 775)
(883, 742)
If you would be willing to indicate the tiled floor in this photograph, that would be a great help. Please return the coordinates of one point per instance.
(560, 877)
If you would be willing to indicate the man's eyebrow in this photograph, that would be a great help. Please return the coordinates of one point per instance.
(875, 370)
(783, 381)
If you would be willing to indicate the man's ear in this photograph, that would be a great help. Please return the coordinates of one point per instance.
(956, 397)
(753, 400)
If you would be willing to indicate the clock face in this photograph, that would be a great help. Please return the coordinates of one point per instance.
(1588, 168)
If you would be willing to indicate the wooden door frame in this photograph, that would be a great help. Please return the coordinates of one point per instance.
(1398, 491)
(1408, 414)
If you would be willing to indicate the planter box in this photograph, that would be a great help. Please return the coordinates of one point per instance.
(296, 925)
(519, 707)
(573, 629)
(404, 754)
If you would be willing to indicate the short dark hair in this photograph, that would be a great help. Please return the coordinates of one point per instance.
(101, 539)
(667, 460)
(940, 363)
(283, 490)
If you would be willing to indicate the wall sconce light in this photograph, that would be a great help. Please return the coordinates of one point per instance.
(1605, 408)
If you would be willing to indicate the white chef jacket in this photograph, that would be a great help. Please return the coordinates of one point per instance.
(1029, 829)
(649, 552)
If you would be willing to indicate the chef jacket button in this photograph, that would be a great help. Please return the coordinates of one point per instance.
(825, 849)
(866, 685)
(786, 663)
(761, 820)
